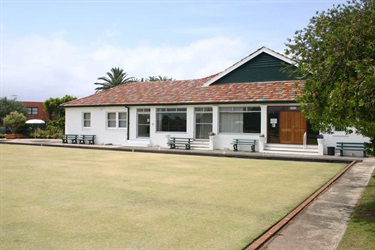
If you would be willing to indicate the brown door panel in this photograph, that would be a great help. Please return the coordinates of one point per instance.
(292, 127)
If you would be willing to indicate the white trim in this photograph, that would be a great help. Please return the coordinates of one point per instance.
(143, 111)
(83, 120)
(116, 120)
(246, 59)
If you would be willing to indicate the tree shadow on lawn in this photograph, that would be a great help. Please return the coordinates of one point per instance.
(365, 212)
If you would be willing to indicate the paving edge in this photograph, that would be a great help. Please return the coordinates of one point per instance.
(228, 154)
(271, 232)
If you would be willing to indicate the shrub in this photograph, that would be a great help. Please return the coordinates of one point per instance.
(14, 120)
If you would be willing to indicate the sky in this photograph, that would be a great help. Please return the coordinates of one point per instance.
(53, 48)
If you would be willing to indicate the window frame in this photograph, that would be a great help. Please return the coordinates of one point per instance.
(169, 111)
(122, 119)
(240, 110)
(32, 110)
(116, 120)
(84, 119)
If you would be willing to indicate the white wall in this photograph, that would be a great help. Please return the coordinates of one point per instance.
(104, 135)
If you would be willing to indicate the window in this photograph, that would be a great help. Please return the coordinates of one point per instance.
(86, 120)
(171, 119)
(32, 111)
(122, 119)
(111, 120)
(116, 119)
(203, 122)
(239, 119)
(143, 120)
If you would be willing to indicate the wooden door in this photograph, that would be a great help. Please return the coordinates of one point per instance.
(292, 127)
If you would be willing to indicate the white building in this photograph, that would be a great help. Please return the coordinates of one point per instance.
(251, 99)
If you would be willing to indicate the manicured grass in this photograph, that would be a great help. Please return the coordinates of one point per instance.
(360, 233)
(62, 198)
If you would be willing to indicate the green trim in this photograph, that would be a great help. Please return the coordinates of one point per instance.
(262, 68)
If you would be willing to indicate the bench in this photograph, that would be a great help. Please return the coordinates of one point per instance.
(89, 138)
(175, 141)
(71, 137)
(251, 142)
(351, 146)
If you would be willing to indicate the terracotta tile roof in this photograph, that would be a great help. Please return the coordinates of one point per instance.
(190, 92)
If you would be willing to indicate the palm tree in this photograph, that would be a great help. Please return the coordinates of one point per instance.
(114, 78)
(158, 78)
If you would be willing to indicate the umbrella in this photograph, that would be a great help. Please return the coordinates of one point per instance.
(35, 122)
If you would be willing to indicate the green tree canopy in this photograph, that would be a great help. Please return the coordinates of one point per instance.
(336, 52)
(155, 79)
(52, 105)
(114, 78)
(10, 105)
(56, 125)
(158, 78)
(14, 120)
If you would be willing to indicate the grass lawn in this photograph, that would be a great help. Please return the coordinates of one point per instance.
(360, 233)
(64, 198)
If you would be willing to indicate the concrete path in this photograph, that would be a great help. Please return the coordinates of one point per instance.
(323, 223)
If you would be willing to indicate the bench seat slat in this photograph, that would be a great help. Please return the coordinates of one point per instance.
(174, 141)
(351, 146)
(251, 142)
(89, 138)
(71, 137)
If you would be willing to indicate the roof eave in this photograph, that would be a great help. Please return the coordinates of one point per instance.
(183, 103)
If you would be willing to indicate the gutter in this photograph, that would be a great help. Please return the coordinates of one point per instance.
(128, 122)
(186, 103)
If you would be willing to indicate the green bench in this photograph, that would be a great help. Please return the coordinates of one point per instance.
(251, 142)
(351, 146)
(176, 141)
(89, 138)
(71, 137)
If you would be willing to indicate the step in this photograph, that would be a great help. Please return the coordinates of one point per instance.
(200, 145)
(289, 145)
(291, 149)
(290, 152)
(138, 143)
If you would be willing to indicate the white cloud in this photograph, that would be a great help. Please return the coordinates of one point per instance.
(36, 68)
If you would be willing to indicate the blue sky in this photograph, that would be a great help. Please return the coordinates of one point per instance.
(50, 48)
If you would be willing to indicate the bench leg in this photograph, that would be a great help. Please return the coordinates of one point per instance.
(252, 148)
(235, 147)
(81, 141)
(74, 141)
(91, 142)
(341, 152)
(187, 146)
(172, 146)
(64, 141)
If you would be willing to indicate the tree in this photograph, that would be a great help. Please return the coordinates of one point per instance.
(14, 120)
(55, 126)
(336, 53)
(52, 105)
(114, 78)
(155, 79)
(158, 78)
(10, 105)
